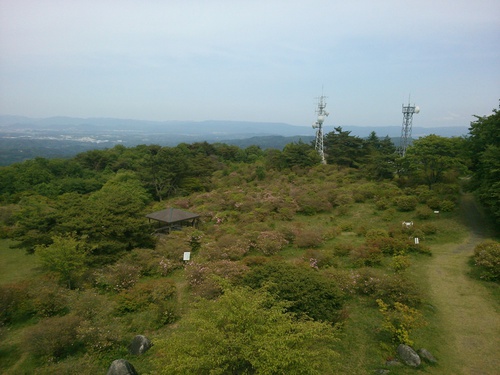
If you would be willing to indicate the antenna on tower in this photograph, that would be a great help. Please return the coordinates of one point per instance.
(408, 112)
(322, 114)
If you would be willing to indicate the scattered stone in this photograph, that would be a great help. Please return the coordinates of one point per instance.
(393, 362)
(139, 345)
(408, 355)
(382, 371)
(121, 367)
(426, 355)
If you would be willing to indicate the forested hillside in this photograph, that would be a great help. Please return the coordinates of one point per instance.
(295, 267)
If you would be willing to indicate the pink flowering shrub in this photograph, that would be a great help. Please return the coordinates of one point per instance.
(270, 242)
(228, 246)
(203, 277)
(319, 258)
(117, 277)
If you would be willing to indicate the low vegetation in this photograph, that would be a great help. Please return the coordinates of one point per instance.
(296, 267)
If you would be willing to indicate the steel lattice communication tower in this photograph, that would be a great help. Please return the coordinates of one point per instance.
(319, 126)
(408, 112)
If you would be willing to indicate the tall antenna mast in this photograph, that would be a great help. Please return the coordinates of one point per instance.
(408, 112)
(322, 113)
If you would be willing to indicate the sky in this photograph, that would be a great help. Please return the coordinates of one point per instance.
(251, 60)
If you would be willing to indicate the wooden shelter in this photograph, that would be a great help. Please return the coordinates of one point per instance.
(173, 219)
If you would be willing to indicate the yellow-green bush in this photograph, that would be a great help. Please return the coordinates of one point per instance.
(487, 259)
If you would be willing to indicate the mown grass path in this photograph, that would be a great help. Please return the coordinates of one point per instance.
(469, 314)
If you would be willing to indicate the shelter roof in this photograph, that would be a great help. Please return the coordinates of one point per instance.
(172, 215)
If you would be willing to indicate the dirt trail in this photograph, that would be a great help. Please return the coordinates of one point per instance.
(471, 320)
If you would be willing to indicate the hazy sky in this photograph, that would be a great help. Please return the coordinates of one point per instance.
(251, 60)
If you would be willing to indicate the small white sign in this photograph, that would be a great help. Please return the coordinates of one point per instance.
(416, 240)
(187, 255)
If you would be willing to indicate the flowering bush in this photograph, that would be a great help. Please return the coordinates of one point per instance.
(98, 337)
(117, 277)
(319, 258)
(270, 242)
(202, 277)
(228, 246)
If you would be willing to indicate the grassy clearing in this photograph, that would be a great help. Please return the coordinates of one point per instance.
(467, 312)
(15, 264)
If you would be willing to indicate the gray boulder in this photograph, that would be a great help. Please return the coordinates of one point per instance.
(408, 355)
(426, 355)
(139, 345)
(121, 367)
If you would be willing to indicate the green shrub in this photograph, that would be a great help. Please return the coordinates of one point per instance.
(397, 288)
(364, 255)
(424, 213)
(175, 245)
(447, 206)
(149, 262)
(14, 302)
(374, 234)
(308, 237)
(429, 228)
(389, 214)
(400, 263)
(48, 298)
(382, 203)
(54, 337)
(343, 199)
(90, 305)
(389, 245)
(255, 260)
(400, 321)
(309, 292)
(144, 294)
(406, 203)
(434, 203)
(343, 249)
(424, 193)
(310, 201)
(487, 259)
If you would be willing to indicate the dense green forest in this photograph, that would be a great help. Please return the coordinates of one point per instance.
(287, 253)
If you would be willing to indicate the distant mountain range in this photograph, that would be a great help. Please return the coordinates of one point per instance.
(71, 135)
(189, 130)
